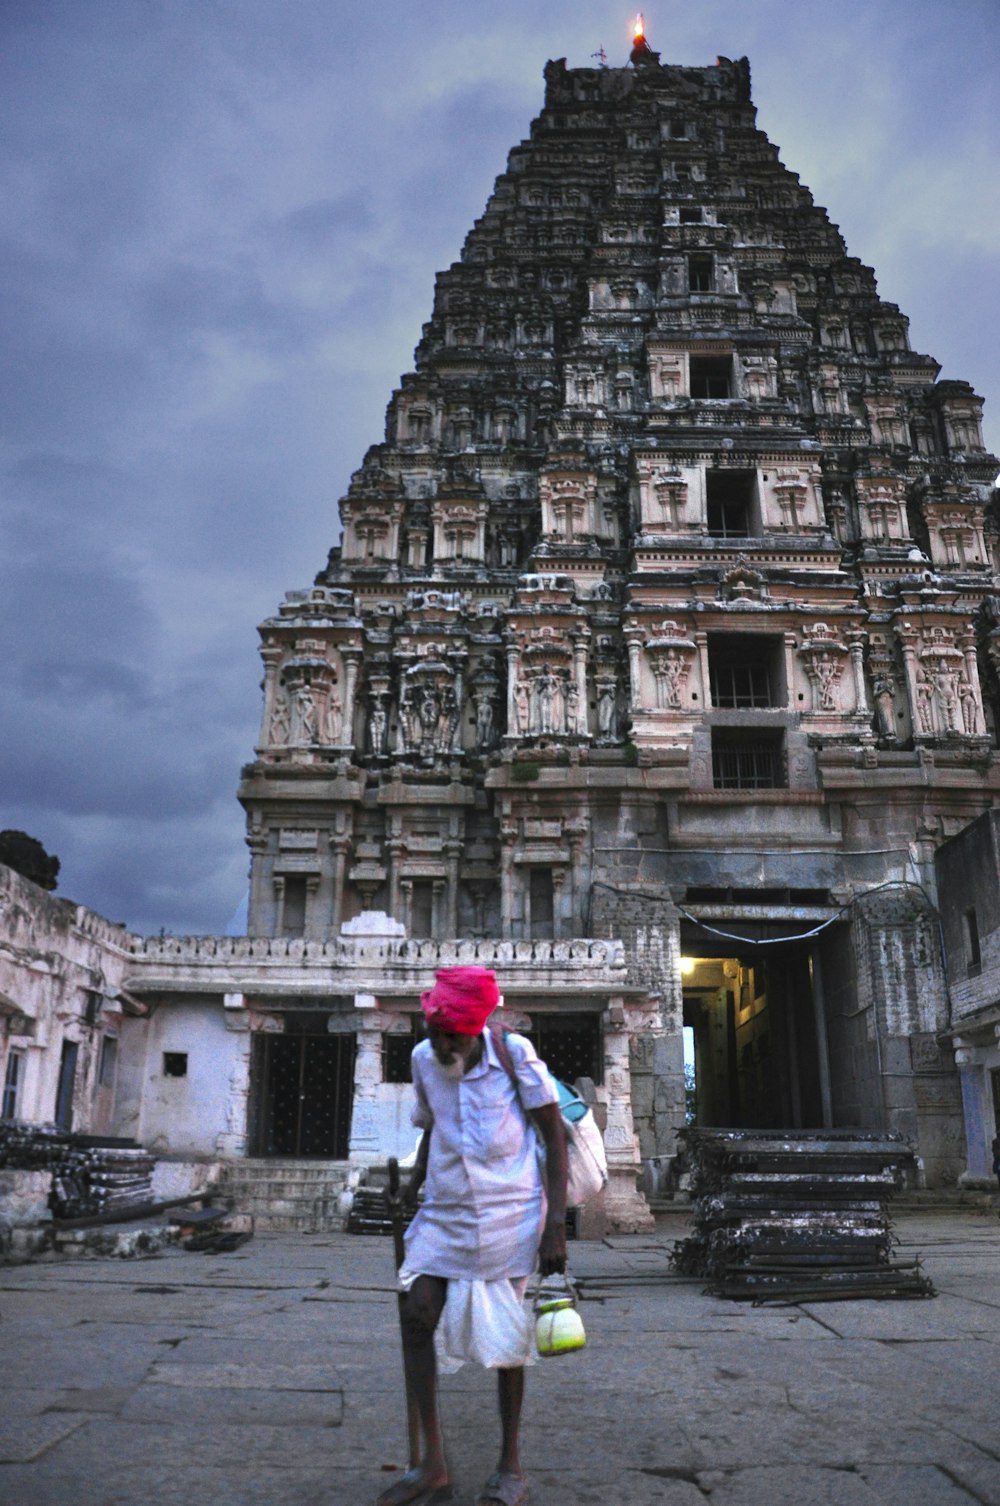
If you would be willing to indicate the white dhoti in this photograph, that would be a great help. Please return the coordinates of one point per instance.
(484, 1321)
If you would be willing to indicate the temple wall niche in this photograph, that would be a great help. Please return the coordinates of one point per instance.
(665, 668)
(791, 499)
(942, 679)
(882, 513)
(569, 506)
(671, 496)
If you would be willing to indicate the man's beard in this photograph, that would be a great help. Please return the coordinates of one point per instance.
(453, 1070)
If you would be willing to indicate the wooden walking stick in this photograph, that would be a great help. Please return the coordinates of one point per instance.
(396, 1215)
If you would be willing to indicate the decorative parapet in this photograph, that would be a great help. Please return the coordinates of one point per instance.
(286, 967)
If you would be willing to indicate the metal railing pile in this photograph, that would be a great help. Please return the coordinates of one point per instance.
(785, 1217)
(98, 1179)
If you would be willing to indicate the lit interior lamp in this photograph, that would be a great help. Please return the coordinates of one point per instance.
(688, 965)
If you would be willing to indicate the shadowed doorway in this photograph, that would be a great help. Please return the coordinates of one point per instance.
(755, 1054)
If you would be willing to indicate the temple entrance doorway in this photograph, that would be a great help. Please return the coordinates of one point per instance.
(302, 1093)
(753, 1028)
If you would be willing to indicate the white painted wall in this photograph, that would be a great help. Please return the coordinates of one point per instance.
(193, 1115)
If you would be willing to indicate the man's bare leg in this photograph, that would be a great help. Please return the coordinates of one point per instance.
(421, 1311)
(510, 1388)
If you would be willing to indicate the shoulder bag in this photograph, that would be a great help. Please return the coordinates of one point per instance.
(586, 1162)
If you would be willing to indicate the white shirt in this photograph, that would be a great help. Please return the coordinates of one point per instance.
(484, 1199)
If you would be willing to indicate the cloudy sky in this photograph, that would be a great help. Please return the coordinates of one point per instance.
(219, 226)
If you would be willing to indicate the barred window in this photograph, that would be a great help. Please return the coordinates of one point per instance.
(747, 761)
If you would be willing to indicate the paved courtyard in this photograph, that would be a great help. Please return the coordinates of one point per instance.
(271, 1377)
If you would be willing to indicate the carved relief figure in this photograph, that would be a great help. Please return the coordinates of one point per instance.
(670, 671)
(546, 688)
(377, 726)
(924, 693)
(429, 710)
(484, 721)
(826, 670)
(303, 716)
(280, 719)
(521, 706)
(884, 686)
(606, 710)
(332, 718)
(572, 707)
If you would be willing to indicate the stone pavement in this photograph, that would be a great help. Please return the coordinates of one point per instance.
(271, 1377)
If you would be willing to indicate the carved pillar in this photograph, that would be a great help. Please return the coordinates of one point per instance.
(508, 833)
(395, 847)
(974, 721)
(340, 844)
(364, 1141)
(625, 1206)
(437, 891)
(579, 884)
(232, 1140)
(790, 646)
(271, 656)
(634, 672)
(456, 732)
(453, 851)
(580, 676)
(977, 1110)
(856, 647)
(701, 642)
(351, 659)
(512, 673)
(907, 638)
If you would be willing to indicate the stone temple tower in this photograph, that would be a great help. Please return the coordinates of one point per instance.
(663, 616)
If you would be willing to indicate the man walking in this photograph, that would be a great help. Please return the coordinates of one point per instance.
(490, 1214)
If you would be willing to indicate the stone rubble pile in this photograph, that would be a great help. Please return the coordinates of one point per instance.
(782, 1217)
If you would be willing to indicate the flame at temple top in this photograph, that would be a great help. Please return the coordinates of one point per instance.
(641, 52)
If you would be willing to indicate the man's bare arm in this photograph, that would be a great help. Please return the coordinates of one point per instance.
(419, 1172)
(552, 1249)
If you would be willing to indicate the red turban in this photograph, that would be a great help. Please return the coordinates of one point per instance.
(461, 1000)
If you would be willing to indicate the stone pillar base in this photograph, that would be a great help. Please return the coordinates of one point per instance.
(626, 1209)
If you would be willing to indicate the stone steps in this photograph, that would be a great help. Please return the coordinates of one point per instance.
(284, 1195)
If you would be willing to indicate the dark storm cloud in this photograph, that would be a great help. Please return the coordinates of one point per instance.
(220, 222)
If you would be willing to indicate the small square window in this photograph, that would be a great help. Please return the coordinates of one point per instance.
(397, 1048)
(690, 215)
(710, 376)
(175, 1064)
(730, 500)
(701, 274)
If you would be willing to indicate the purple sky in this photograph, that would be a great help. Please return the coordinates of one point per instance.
(220, 222)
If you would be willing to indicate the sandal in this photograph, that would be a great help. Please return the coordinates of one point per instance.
(503, 1489)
